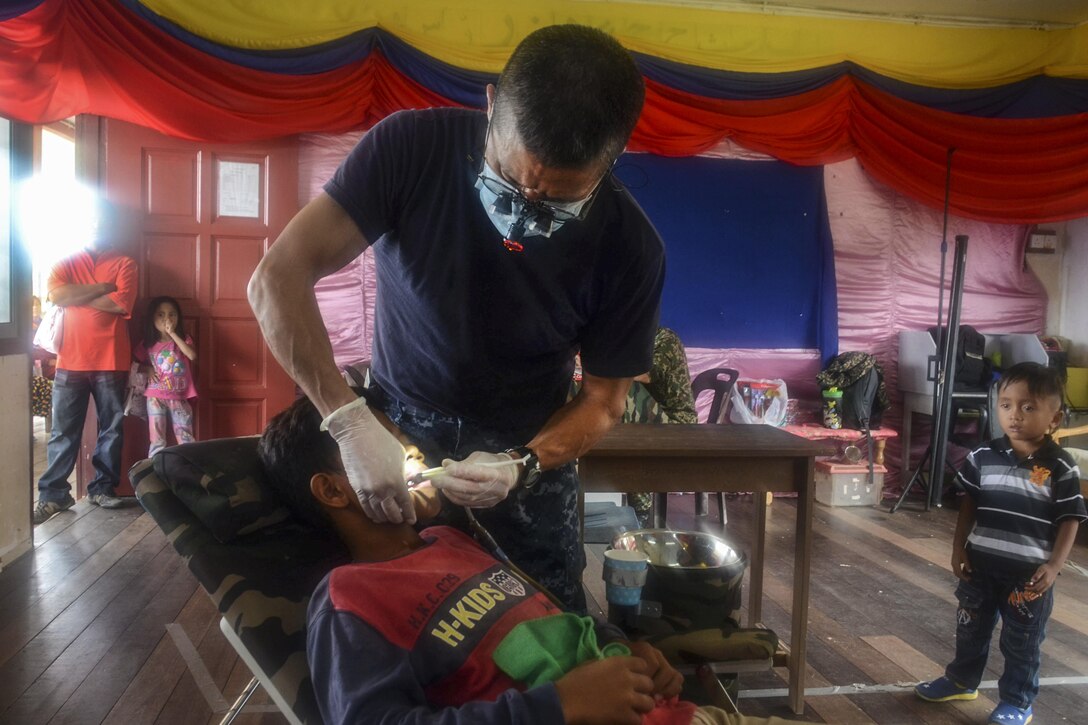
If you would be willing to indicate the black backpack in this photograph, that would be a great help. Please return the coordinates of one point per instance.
(973, 369)
(864, 396)
(861, 379)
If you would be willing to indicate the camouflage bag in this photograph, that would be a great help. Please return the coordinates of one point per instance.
(861, 379)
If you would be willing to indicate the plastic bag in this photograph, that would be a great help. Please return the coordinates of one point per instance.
(758, 401)
(135, 402)
(50, 332)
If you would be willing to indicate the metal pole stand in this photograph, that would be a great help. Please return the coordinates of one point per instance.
(947, 347)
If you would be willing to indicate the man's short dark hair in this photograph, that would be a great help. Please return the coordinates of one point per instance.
(1042, 381)
(291, 450)
(573, 95)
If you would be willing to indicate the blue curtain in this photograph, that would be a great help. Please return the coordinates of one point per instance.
(750, 259)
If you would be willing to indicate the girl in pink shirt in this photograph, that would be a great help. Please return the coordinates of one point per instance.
(170, 353)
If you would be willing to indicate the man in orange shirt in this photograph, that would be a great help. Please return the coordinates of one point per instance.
(96, 287)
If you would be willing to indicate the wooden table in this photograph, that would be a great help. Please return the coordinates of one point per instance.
(665, 457)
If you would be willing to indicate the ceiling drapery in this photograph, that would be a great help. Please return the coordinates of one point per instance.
(1013, 103)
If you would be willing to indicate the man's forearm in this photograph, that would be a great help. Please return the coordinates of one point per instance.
(105, 303)
(75, 295)
(320, 239)
(579, 424)
(286, 309)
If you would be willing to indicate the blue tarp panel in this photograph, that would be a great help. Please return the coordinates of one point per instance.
(750, 259)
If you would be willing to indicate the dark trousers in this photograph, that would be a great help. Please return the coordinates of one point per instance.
(72, 389)
(981, 601)
(538, 528)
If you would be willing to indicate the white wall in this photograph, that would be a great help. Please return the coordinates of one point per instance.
(1074, 322)
(16, 469)
(1049, 268)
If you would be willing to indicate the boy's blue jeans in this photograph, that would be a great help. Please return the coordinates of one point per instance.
(981, 601)
(538, 528)
(72, 389)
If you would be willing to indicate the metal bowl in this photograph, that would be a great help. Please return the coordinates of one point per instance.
(694, 576)
(681, 549)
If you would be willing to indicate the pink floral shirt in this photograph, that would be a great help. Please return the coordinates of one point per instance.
(171, 372)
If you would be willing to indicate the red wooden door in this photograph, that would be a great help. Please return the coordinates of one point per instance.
(204, 215)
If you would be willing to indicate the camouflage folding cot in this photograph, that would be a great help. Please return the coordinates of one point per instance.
(257, 564)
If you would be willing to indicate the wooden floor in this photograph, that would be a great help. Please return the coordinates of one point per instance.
(104, 623)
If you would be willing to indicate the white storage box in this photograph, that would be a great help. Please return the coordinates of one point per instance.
(841, 484)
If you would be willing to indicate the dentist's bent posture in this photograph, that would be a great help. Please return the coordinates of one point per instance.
(504, 246)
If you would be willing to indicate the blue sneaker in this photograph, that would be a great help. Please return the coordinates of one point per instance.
(943, 689)
(1006, 714)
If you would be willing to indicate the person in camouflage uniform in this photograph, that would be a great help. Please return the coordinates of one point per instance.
(669, 382)
(662, 395)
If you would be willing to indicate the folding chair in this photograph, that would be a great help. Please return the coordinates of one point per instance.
(721, 381)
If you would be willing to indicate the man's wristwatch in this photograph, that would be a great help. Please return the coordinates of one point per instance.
(530, 469)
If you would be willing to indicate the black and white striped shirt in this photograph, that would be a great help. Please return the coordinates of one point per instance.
(1020, 502)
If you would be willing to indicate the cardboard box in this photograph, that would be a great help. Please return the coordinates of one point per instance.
(842, 484)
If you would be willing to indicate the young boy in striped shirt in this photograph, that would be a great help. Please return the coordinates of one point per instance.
(1015, 529)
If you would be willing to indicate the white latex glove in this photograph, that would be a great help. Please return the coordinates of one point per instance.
(374, 462)
(480, 481)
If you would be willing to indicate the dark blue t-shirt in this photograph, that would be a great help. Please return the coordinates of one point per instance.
(464, 326)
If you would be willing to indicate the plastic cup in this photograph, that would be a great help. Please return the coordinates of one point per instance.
(833, 408)
(624, 576)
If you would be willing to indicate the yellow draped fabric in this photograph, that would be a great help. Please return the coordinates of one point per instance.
(480, 35)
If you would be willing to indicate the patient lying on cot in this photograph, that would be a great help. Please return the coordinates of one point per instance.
(429, 627)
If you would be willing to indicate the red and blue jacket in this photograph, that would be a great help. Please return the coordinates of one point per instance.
(410, 640)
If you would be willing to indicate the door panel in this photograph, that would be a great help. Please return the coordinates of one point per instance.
(238, 360)
(171, 266)
(233, 261)
(172, 176)
(204, 215)
(229, 417)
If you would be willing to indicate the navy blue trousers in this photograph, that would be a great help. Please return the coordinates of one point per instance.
(982, 601)
(72, 390)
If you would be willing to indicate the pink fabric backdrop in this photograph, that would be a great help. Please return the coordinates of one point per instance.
(340, 295)
(887, 259)
(887, 265)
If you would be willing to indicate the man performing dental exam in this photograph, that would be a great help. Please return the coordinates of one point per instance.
(503, 246)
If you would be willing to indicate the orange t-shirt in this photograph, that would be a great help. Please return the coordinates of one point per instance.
(93, 339)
